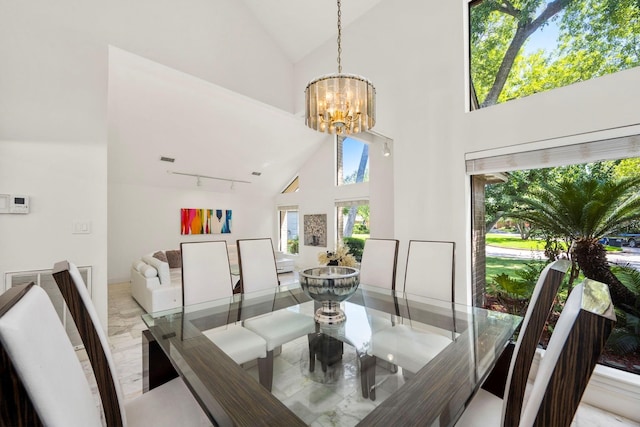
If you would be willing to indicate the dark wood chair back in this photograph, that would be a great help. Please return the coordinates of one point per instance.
(576, 344)
(540, 306)
(94, 339)
(17, 408)
(41, 379)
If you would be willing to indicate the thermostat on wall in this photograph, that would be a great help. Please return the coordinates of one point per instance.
(14, 203)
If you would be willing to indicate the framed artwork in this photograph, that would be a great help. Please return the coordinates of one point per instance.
(205, 221)
(315, 230)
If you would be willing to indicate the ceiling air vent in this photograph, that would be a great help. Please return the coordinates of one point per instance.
(167, 159)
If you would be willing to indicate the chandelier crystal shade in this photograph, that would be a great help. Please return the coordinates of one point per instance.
(340, 103)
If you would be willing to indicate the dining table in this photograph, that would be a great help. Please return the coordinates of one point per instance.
(332, 377)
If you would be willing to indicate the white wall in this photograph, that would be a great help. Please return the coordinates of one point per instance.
(414, 52)
(53, 82)
(54, 58)
(318, 195)
(66, 182)
(145, 219)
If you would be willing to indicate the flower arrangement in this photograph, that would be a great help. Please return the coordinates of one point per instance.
(341, 256)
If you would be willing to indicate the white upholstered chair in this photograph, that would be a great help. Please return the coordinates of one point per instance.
(168, 405)
(43, 382)
(429, 274)
(379, 261)
(257, 262)
(258, 273)
(206, 276)
(564, 371)
(430, 269)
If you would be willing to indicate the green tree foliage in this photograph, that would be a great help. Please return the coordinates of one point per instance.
(501, 198)
(583, 210)
(627, 167)
(356, 246)
(596, 37)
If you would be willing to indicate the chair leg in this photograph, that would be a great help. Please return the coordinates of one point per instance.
(371, 373)
(312, 351)
(265, 370)
(367, 372)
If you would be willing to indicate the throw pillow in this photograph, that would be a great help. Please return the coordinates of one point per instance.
(174, 259)
(148, 271)
(138, 264)
(162, 267)
(161, 256)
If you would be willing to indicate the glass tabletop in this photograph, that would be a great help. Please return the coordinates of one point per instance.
(393, 350)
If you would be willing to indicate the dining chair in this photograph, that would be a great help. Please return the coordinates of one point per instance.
(170, 404)
(377, 268)
(206, 276)
(535, 319)
(578, 339)
(379, 261)
(42, 381)
(258, 273)
(430, 269)
(257, 263)
(430, 274)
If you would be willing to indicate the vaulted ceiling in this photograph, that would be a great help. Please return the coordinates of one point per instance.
(300, 26)
(156, 111)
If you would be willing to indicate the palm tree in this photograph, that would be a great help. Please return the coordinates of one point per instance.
(583, 210)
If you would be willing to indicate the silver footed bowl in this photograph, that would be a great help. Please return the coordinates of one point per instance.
(330, 283)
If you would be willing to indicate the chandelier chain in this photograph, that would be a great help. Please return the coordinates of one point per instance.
(339, 38)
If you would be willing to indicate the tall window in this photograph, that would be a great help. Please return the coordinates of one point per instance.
(352, 219)
(288, 229)
(352, 161)
(544, 206)
(521, 47)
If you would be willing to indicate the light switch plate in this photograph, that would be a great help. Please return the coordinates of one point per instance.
(82, 227)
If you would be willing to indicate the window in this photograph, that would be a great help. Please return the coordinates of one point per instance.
(288, 229)
(521, 47)
(352, 220)
(293, 187)
(502, 282)
(352, 161)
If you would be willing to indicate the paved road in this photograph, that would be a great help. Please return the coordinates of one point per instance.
(630, 256)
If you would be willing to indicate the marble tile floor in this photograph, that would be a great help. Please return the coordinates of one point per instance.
(293, 386)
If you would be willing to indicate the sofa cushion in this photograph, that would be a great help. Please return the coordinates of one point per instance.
(138, 264)
(174, 258)
(161, 256)
(162, 267)
(148, 271)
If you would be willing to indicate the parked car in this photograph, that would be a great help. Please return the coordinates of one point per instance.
(631, 239)
(623, 239)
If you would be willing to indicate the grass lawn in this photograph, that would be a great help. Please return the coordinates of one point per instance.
(513, 241)
(497, 265)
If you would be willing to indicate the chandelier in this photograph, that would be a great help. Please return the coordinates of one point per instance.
(340, 103)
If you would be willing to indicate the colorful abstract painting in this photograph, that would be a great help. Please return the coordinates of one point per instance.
(205, 221)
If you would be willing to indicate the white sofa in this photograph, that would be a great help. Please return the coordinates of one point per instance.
(154, 285)
(284, 264)
(157, 287)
